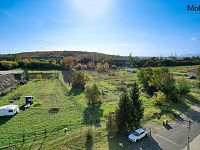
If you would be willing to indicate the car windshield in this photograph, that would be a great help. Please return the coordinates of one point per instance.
(135, 133)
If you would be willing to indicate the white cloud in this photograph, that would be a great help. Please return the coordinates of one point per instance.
(195, 39)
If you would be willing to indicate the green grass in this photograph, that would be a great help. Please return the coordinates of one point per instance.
(48, 94)
(74, 113)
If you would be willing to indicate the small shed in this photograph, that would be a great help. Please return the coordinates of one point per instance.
(9, 110)
(29, 100)
(20, 75)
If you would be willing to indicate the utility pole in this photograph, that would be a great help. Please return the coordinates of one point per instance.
(189, 128)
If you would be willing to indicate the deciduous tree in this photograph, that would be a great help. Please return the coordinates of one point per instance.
(78, 81)
(92, 94)
(183, 86)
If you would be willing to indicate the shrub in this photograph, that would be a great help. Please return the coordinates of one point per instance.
(183, 86)
(93, 95)
(78, 81)
(159, 97)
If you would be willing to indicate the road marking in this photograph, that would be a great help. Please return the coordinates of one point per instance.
(166, 139)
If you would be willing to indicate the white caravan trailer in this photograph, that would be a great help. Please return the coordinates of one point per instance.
(9, 110)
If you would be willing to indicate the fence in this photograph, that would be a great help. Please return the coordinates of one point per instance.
(43, 75)
(15, 140)
(61, 79)
(69, 134)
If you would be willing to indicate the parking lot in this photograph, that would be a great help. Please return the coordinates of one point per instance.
(173, 137)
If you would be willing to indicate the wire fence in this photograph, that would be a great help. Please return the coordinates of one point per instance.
(16, 139)
(43, 75)
(13, 140)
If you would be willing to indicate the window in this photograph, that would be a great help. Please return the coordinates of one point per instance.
(141, 132)
(10, 110)
(136, 134)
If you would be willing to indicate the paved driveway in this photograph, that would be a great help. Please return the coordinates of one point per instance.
(174, 136)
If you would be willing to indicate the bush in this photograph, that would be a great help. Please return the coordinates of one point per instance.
(173, 97)
(93, 95)
(159, 97)
(183, 86)
(7, 65)
(78, 81)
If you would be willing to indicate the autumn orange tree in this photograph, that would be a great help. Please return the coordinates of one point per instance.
(67, 62)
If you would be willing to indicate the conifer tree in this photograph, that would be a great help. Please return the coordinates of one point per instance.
(137, 112)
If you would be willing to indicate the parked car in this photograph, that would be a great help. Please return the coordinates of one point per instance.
(137, 135)
(192, 77)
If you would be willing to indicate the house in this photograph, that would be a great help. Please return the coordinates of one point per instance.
(9, 110)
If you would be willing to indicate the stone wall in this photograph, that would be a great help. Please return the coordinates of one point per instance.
(7, 82)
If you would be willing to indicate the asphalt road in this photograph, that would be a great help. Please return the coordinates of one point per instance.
(174, 136)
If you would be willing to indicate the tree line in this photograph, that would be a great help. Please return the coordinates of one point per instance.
(87, 60)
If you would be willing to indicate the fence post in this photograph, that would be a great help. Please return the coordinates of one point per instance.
(45, 132)
(34, 137)
(9, 142)
(23, 138)
(57, 131)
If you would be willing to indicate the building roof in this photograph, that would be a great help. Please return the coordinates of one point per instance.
(9, 107)
(12, 71)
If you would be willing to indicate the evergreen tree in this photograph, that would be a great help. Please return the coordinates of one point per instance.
(137, 108)
(123, 112)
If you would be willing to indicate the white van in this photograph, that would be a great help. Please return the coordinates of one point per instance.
(9, 110)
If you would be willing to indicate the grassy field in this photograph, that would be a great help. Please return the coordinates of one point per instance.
(75, 115)
(47, 94)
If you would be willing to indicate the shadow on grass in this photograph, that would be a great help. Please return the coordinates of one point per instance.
(22, 107)
(193, 99)
(89, 140)
(92, 115)
(193, 115)
(5, 119)
(182, 106)
(73, 92)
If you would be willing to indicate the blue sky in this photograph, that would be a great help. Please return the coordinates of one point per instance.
(143, 27)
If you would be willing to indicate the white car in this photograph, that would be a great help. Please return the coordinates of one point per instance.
(137, 135)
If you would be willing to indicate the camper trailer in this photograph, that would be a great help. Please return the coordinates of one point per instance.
(9, 110)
